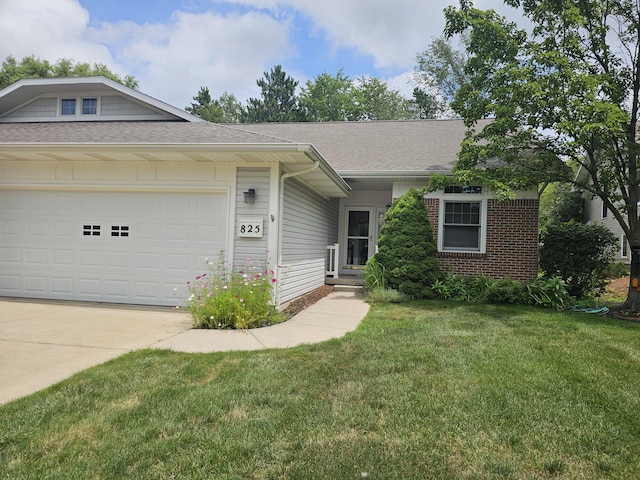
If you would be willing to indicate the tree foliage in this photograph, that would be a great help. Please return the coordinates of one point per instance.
(565, 204)
(226, 109)
(374, 100)
(328, 98)
(438, 76)
(579, 254)
(32, 67)
(325, 98)
(278, 102)
(407, 249)
(569, 90)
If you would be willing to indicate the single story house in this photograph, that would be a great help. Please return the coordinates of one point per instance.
(109, 195)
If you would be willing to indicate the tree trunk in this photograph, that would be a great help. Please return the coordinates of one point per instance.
(633, 296)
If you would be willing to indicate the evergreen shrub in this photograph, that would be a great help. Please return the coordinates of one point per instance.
(407, 249)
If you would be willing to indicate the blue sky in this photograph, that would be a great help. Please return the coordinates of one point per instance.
(173, 47)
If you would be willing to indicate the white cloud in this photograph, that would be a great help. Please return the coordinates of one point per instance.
(48, 30)
(227, 52)
(224, 53)
(392, 33)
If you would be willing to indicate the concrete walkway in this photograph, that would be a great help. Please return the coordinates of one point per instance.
(42, 343)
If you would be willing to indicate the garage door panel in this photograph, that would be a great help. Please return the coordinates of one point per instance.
(62, 286)
(10, 255)
(60, 244)
(12, 228)
(36, 285)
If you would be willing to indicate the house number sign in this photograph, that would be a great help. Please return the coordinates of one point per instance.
(250, 227)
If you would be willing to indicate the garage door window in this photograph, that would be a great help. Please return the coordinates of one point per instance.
(120, 230)
(91, 230)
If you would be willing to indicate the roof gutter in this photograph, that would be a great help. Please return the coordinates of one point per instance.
(391, 173)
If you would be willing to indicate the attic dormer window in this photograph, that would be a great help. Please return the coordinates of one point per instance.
(68, 106)
(89, 106)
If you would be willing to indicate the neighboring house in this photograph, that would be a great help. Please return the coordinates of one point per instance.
(109, 195)
(595, 211)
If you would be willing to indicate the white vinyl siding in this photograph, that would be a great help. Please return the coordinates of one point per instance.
(310, 223)
(43, 108)
(253, 249)
(117, 106)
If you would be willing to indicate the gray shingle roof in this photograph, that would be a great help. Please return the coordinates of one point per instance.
(128, 133)
(384, 146)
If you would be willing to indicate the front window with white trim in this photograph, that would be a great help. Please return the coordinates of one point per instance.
(462, 220)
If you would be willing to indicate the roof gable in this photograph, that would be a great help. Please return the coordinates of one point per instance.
(41, 99)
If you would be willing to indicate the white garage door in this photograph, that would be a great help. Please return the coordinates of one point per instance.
(120, 247)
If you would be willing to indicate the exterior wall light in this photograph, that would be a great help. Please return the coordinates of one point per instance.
(250, 196)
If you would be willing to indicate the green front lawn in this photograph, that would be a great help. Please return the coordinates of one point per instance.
(421, 390)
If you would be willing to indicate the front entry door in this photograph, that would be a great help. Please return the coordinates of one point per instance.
(360, 245)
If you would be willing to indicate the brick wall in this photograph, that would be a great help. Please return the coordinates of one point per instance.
(512, 242)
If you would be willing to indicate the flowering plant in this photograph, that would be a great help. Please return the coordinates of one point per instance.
(228, 297)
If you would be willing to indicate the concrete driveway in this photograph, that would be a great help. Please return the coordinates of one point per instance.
(42, 343)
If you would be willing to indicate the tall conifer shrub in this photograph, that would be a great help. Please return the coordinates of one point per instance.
(407, 248)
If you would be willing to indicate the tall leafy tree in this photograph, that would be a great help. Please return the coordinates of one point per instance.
(225, 109)
(32, 67)
(232, 109)
(205, 107)
(438, 76)
(568, 90)
(278, 102)
(328, 98)
(373, 100)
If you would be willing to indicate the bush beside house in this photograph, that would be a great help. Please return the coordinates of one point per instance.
(407, 248)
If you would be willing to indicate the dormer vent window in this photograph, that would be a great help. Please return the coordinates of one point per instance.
(68, 106)
(89, 106)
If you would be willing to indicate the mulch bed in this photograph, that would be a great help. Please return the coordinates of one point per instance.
(299, 304)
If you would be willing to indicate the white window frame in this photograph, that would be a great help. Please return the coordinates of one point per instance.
(624, 246)
(75, 107)
(79, 106)
(480, 198)
(97, 106)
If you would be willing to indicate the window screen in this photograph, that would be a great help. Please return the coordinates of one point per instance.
(89, 106)
(68, 106)
(461, 226)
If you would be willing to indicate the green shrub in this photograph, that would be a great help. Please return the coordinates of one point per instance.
(507, 291)
(232, 298)
(462, 288)
(579, 254)
(617, 270)
(548, 292)
(407, 249)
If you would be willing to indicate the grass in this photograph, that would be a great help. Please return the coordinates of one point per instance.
(421, 390)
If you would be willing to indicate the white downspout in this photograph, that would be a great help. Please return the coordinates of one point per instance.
(283, 177)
